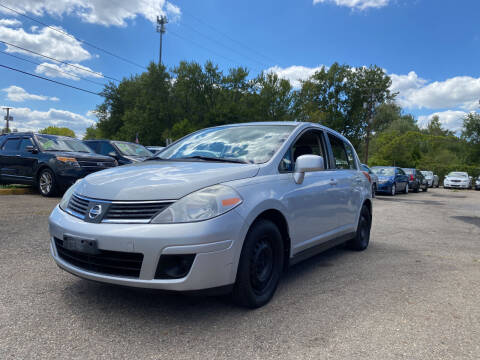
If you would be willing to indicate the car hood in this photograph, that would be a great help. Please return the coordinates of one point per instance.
(81, 155)
(449, 178)
(160, 180)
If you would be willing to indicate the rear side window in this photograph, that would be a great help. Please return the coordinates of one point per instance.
(339, 153)
(11, 145)
(106, 148)
(25, 142)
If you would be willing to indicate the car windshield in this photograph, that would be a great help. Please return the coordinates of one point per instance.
(457, 174)
(427, 173)
(131, 149)
(384, 171)
(55, 143)
(254, 144)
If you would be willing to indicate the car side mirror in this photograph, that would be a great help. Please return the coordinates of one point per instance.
(31, 149)
(307, 163)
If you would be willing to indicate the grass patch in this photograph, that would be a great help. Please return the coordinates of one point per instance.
(14, 186)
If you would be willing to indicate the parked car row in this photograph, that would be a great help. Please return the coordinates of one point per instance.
(392, 180)
(53, 163)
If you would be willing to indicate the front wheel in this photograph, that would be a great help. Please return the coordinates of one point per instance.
(406, 189)
(425, 189)
(260, 266)
(46, 183)
(362, 237)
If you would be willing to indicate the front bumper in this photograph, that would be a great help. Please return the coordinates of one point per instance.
(68, 176)
(456, 185)
(214, 243)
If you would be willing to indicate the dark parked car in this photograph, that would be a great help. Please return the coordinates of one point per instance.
(416, 180)
(52, 163)
(122, 151)
(391, 179)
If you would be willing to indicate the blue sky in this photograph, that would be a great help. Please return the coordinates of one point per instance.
(430, 48)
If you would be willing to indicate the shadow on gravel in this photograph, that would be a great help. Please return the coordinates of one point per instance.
(82, 297)
(474, 220)
(449, 195)
(411, 201)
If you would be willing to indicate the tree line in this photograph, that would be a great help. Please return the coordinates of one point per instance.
(357, 102)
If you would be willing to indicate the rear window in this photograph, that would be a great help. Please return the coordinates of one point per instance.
(11, 144)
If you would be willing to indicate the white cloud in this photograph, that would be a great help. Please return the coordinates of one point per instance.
(457, 92)
(65, 71)
(104, 12)
(10, 22)
(45, 41)
(450, 119)
(356, 4)
(26, 119)
(295, 73)
(18, 94)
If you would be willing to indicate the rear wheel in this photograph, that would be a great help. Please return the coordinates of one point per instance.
(260, 266)
(406, 189)
(362, 238)
(374, 189)
(417, 188)
(425, 189)
(46, 183)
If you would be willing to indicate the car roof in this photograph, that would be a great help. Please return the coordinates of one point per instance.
(296, 124)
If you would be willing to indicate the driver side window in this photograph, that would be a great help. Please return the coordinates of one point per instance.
(309, 143)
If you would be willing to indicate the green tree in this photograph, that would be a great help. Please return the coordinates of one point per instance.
(54, 130)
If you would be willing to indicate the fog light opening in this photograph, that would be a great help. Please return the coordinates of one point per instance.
(174, 266)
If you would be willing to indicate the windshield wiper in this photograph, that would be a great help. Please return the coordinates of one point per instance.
(207, 158)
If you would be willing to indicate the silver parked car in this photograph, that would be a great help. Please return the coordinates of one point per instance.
(225, 208)
(457, 180)
(429, 177)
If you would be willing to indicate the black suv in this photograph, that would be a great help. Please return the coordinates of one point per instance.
(122, 151)
(416, 180)
(52, 163)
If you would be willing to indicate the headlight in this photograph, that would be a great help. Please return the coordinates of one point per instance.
(201, 205)
(68, 161)
(67, 196)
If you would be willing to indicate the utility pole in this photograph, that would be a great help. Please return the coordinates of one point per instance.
(371, 112)
(161, 22)
(8, 118)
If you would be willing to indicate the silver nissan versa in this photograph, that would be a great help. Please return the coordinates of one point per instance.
(223, 209)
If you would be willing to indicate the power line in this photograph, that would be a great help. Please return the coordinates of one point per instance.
(60, 61)
(203, 47)
(229, 37)
(74, 37)
(52, 68)
(53, 81)
(222, 44)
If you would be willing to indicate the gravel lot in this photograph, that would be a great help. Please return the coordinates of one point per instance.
(414, 294)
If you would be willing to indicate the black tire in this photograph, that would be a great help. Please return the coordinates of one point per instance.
(46, 183)
(425, 189)
(260, 266)
(394, 190)
(405, 191)
(362, 238)
(374, 189)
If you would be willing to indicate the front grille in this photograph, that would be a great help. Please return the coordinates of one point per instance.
(134, 211)
(106, 262)
(96, 164)
(78, 205)
(116, 211)
(456, 181)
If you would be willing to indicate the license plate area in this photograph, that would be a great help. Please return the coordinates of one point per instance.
(86, 246)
